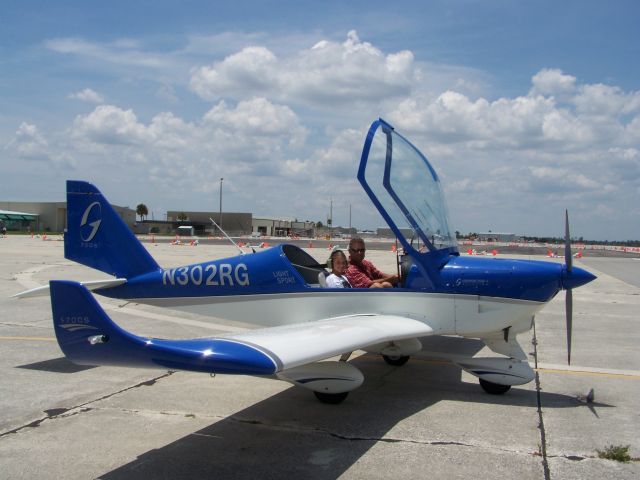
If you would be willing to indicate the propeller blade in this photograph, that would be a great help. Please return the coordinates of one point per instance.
(569, 312)
(568, 259)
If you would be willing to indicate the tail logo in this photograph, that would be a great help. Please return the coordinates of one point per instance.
(75, 323)
(95, 223)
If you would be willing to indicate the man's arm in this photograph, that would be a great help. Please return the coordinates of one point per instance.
(379, 276)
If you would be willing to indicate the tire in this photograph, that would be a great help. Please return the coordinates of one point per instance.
(396, 361)
(494, 388)
(331, 398)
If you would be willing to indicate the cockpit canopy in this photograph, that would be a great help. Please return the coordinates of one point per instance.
(407, 192)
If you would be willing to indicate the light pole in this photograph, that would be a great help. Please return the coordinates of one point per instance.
(220, 218)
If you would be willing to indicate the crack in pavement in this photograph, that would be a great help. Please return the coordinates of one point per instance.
(56, 413)
(543, 438)
(367, 439)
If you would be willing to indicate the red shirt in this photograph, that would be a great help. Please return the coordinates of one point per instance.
(363, 275)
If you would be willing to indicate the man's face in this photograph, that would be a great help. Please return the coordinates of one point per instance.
(356, 251)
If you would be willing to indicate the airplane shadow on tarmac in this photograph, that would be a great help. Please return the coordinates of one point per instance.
(292, 434)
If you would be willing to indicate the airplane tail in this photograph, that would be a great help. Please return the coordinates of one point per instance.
(87, 336)
(97, 237)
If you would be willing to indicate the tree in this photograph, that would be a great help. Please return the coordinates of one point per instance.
(319, 225)
(182, 217)
(142, 211)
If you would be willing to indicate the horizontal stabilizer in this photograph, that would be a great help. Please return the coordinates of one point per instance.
(91, 285)
(87, 336)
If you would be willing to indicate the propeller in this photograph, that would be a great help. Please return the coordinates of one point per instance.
(568, 260)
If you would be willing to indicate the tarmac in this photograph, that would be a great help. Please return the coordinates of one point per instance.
(427, 419)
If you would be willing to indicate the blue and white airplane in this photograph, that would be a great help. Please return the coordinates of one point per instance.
(299, 324)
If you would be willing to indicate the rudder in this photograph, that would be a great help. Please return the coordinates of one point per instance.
(97, 237)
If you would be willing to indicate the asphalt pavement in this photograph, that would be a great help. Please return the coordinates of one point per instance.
(427, 419)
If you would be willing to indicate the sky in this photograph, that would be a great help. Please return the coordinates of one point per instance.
(524, 109)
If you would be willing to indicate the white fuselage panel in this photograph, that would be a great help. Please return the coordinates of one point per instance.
(446, 314)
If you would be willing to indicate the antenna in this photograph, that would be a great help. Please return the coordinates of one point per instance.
(228, 237)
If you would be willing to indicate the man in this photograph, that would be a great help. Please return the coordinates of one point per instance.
(361, 273)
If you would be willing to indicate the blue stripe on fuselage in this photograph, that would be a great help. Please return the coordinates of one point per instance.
(269, 271)
(262, 272)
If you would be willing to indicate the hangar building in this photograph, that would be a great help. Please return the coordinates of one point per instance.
(235, 224)
(47, 216)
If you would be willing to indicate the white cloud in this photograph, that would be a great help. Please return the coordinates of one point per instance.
(109, 124)
(119, 52)
(453, 117)
(87, 95)
(258, 117)
(594, 115)
(599, 99)
(29, 144)
(549, 82)
(251, 138)
(325, 74)
(327, 165)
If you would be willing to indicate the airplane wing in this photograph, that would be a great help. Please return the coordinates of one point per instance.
(91, 285)
(302, 343)
(88, 336)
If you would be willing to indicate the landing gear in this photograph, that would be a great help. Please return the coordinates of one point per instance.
(331, 398)
(494, 388)
(396, 361)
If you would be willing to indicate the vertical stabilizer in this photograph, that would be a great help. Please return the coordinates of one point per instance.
(97, 237)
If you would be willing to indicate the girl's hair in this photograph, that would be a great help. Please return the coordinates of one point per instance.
(336, 253)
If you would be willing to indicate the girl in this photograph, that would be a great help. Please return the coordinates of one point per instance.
(338, 267)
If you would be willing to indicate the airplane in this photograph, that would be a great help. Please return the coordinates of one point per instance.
(299, 325)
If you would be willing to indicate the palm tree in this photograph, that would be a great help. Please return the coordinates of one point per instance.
(142, 211)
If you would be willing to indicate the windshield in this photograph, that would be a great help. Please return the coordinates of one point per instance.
(406, 190)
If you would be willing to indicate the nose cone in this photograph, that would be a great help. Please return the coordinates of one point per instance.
(575, 278)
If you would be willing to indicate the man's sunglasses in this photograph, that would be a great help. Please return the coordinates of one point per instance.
(358, 250)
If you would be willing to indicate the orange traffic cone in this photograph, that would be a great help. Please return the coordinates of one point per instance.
(393, 248)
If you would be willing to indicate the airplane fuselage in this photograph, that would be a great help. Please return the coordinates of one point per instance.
(268, 289)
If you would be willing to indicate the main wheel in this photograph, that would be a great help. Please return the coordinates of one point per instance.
(332, 398)
(396, 361)
(494, 388)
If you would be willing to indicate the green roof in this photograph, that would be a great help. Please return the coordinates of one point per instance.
(8, 215)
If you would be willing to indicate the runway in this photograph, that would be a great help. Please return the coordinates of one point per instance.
(427, 419)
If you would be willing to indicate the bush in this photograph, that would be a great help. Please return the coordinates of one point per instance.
(615, 452)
